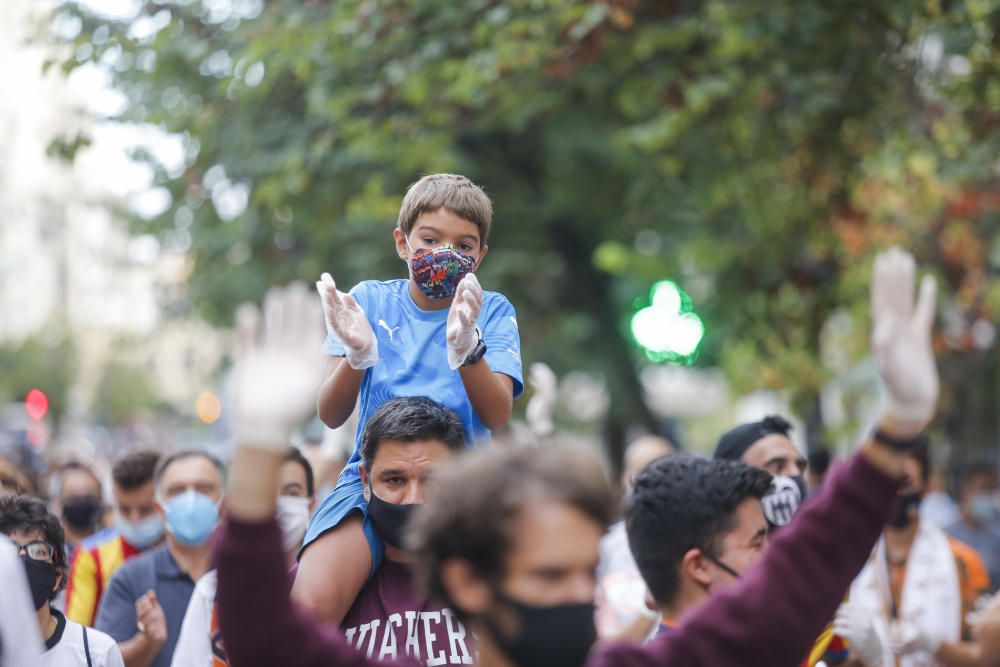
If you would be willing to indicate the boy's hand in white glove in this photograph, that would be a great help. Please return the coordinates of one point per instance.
(347, 322)
(461, 331)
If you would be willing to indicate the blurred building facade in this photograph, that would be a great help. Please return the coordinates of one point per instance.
(68, 265)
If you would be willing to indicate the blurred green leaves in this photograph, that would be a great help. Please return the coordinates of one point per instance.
(763, 150)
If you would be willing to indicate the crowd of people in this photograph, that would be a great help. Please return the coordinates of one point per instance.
(434, 548)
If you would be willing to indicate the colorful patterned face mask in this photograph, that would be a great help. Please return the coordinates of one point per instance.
(437, 272)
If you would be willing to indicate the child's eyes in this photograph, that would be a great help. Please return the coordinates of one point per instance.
(465, 246)
(430, 241)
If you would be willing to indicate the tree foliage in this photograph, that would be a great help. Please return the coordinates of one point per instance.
(759, 152)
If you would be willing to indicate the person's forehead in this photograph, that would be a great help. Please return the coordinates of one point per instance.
(747, 520)
(445, 222)
(190, 469)
(78, 482)
(291, 472)
(550, 533)
(24, 536)
(771, 446)
(397, 453)
(138, 494)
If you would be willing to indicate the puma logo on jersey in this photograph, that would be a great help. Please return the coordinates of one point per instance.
(385, 326)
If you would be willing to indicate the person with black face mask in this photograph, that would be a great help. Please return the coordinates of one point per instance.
(77, 499)
(765, 444)
(694, 526)
(918, 587)
(39, 539)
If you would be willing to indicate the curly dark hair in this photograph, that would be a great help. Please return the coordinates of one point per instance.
(683, 502)
(135, 469)
(474, 503)
(410, 418)
(28, 514)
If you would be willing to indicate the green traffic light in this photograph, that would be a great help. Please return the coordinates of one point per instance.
(668, 330)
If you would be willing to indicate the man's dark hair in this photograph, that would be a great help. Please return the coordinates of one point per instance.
(135, 469)
(408, 419)
(734, 443)
(475, 501)
(293, 454)
(683, 502)
(819, 460)
(166, 461)
(20, 513)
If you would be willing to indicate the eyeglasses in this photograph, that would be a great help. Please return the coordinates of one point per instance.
(38, 550)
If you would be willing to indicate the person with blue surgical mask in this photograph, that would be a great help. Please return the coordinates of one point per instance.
(144, 606)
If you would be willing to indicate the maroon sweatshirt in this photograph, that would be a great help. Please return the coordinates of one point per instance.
(770, 619)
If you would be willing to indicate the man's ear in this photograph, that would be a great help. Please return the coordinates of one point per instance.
(401, 248)
(465, 589)
(365, 486)
(694, 566)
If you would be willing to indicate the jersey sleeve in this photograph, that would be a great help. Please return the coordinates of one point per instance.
(116, 616)
(81, 590)
(503, 341)
(364, 294)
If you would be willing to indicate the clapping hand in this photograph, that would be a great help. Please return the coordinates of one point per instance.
(461, 331)
(347, 322)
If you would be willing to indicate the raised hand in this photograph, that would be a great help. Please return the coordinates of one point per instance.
(461, 329)
(901, 341)
(279, 366)
(347, 322)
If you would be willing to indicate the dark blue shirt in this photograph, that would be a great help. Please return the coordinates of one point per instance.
(156, 570)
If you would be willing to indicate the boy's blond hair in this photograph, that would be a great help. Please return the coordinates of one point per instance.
(452, 192)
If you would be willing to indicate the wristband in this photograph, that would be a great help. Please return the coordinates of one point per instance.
(477, 353)
(900, 444)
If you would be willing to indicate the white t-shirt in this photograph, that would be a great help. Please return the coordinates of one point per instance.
(194, 644)
(68, 649)
(20, 641)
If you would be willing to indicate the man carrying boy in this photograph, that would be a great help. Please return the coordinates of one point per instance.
(435, 334)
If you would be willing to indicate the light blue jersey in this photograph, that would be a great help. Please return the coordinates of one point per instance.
(413, 361)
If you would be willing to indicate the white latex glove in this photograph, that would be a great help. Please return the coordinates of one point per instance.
(857, 628)
(901, 340)
(278, 369)
(543, 402)
(461, 331)
(906, 638)
(346, 322)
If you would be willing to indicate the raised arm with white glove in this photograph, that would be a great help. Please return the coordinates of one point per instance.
(347, 322)
(277, 367)
(901, 343)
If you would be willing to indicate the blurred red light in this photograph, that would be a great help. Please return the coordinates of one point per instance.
(36, 403)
